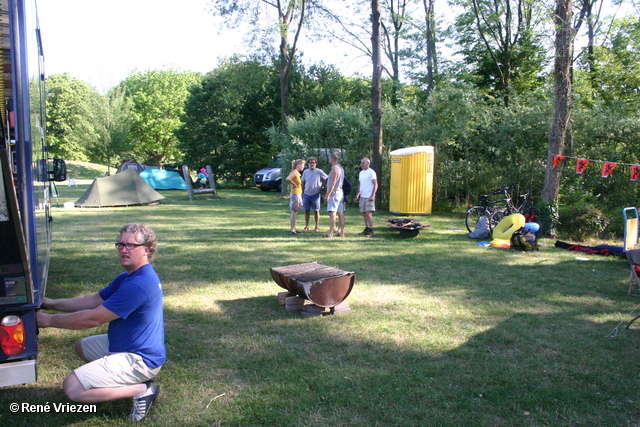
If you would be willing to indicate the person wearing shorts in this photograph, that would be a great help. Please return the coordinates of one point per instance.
(124, 362)
(295, 199)
(312, 183)
(335, 197)
(367, 195)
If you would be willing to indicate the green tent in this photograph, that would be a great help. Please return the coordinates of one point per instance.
(122, 189)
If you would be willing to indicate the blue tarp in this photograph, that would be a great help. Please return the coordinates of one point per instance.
(163, 180)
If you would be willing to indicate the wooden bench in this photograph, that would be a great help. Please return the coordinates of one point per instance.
(210, 186)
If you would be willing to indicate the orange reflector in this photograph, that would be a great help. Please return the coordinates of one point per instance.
(11, 335)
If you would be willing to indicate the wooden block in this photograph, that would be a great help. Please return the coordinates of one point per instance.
(312, 308)
(282, 297)
(343, 305)
(342, 308)
(294, 301)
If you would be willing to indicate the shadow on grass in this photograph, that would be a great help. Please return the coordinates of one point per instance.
(443, 332)
(279, 369)
(271, 367)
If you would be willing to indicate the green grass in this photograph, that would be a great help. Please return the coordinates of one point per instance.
(85, 170)
(442, 331)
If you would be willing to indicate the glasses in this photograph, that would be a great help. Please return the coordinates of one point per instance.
(129, 246)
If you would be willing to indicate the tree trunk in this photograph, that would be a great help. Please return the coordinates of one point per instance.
(429, 12)
(563, 97)
(285, 67)
(376, 95)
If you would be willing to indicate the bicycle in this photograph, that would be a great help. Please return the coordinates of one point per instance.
(484, 208)
(525, 208)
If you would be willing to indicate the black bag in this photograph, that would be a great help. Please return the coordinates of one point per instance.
(524, 240)
(346, 187)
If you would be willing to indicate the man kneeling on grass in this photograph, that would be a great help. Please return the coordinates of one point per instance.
(124, 362)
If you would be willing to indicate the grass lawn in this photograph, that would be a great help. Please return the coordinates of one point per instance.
(442, 331)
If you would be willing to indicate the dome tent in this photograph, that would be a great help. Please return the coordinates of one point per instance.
(122, 189)
(163, 179)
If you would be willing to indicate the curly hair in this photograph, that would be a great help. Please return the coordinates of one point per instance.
(145, 233)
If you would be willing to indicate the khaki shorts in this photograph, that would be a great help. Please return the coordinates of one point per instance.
(367, 205)
(111, 369)
(295, 202)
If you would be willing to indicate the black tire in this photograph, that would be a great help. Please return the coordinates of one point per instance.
(496, 216)
(473, 215)
(264, 189)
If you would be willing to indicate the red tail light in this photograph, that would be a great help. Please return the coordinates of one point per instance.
(11, 335)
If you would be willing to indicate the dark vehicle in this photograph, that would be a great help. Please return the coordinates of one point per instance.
(25, 190)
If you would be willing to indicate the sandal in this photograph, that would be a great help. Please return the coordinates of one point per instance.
(294, 232)
(326, 235)
(317, 230)
(305, 229)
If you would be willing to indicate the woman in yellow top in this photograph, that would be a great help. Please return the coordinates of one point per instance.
(295, 203)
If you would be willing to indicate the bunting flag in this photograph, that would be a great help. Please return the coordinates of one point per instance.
(607, 168)
(557, 158)
(581, 165)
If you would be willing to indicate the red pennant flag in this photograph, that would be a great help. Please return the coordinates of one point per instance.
(635, 172)
(557, 158)
(607, 168)
(581, 165)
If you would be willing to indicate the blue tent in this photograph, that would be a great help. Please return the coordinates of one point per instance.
(163, 180)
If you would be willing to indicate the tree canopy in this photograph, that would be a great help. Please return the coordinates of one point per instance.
(158, 98)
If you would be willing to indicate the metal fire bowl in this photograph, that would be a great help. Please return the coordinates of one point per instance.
(324, 286)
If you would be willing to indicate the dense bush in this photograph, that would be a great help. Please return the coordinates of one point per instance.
(481, 146)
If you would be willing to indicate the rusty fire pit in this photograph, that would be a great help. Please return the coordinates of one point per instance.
(324, 286)
(406, 226)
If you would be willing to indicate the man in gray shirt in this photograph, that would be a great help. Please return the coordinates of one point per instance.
(312, 183)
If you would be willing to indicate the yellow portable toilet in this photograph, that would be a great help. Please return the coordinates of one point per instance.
(411, 181)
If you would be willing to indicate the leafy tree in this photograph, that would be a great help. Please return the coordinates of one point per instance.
(158, 99)
(110, 116)
(321, 85)
(613, 69)
(500, 44)
(291, 18)
(68, 105)
(226, 116)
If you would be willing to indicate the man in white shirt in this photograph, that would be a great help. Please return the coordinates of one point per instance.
(367, 194)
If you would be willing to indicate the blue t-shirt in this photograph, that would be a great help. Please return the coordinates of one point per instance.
(137, 299)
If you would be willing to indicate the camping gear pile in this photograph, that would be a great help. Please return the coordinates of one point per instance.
(513, 231)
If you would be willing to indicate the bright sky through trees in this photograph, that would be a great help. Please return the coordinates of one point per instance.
(102, 42)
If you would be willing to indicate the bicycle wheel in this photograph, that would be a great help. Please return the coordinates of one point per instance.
(473, 215)
(496, 216)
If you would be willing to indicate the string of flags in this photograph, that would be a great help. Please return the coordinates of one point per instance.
(607, 167)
